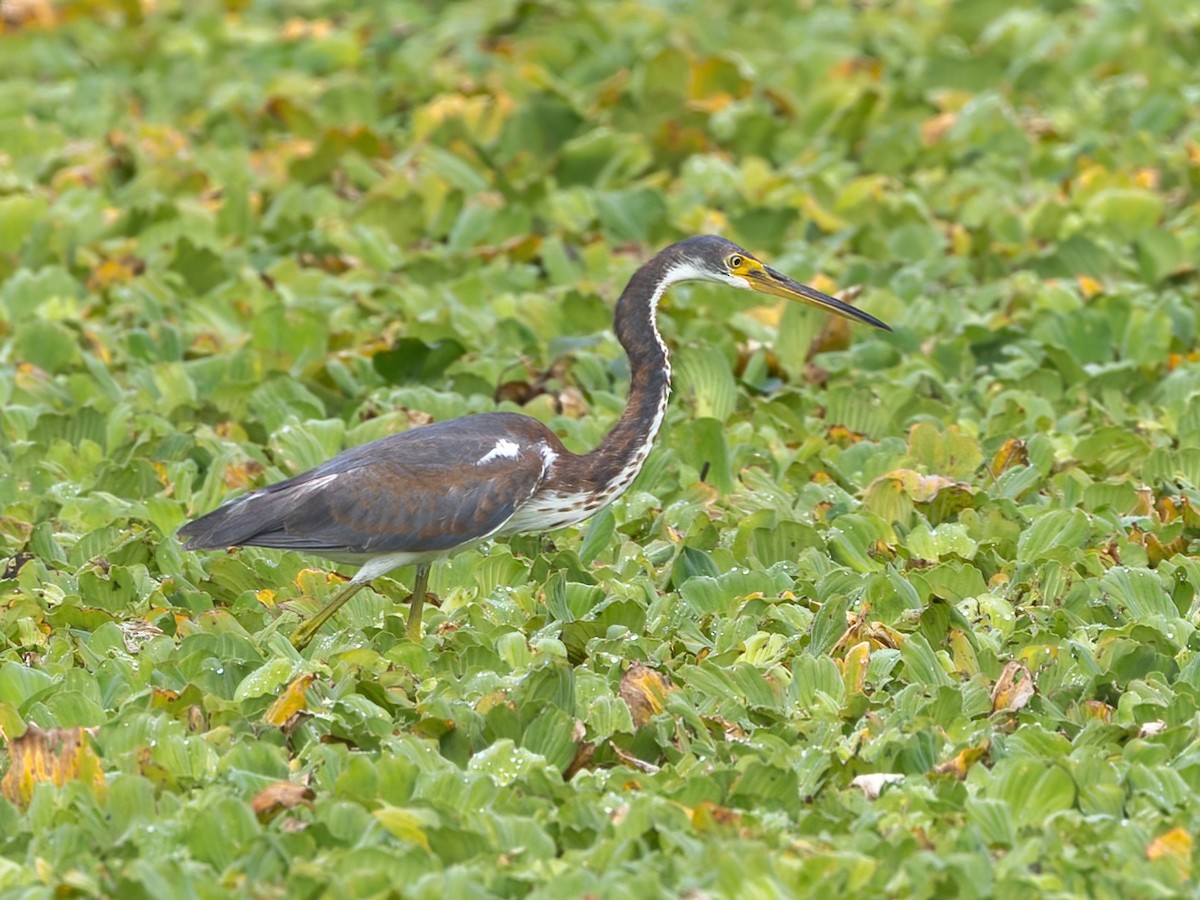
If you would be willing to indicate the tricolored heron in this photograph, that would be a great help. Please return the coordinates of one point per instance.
(413, 497)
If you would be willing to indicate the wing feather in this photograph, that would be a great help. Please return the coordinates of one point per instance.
(427, 490)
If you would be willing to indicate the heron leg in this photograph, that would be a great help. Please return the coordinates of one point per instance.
(308, 630)
(416, 602)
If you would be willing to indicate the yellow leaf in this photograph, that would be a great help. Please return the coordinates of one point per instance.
(715, 83)
(18, 14)
(1013, 453)
(961, 764)
(645, 692)
(843, 437)
(299, 29)
(1090, 173)
(960, 240)
(407, 824)
(1175, 847)
(766, 315)
(854, 66)
(1098, 709)
(827, 222)
(963, 654)
(314, 581)
(290, 702)
(241, 475)
(115, 271)
(854, 667)
(1090, 286)
(57, 755)
(1147, 178)
(713, 222)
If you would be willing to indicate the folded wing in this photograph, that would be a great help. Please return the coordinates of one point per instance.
(427, 490)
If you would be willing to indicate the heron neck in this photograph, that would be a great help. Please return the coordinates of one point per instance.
(615, 463)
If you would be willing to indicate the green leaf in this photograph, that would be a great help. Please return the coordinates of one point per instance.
(708, 452)
(704, 376)
(412, 360)
(598, 538)
(693, 563)
(266, 679)
(48, 345)
(1051, 531)
(630, 214)
(921, 663)
(1124, 212)
(19, 215)
(408, 824)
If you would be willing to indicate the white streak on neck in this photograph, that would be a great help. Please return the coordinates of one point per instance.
(548, 458)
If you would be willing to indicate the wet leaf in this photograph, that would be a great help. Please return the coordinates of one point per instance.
(235, 242)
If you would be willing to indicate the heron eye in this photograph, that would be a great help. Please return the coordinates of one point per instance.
(735, 262)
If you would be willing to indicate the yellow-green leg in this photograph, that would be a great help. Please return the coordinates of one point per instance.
(307, 631)
(416, 602)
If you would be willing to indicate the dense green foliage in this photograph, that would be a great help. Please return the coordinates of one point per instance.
(235, 239)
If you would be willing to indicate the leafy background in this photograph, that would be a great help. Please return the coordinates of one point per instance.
(911, 614)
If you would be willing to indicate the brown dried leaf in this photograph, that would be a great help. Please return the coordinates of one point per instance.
(731, 731)
(571, 403)
(18, 14)
(518, 392)
(633, 762)
(584, 751)
(275, 798)
(1013, 689)
(933, 130)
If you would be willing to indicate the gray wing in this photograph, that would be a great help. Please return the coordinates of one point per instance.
(426, 490)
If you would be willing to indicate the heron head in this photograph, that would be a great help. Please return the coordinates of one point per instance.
(712, 258)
